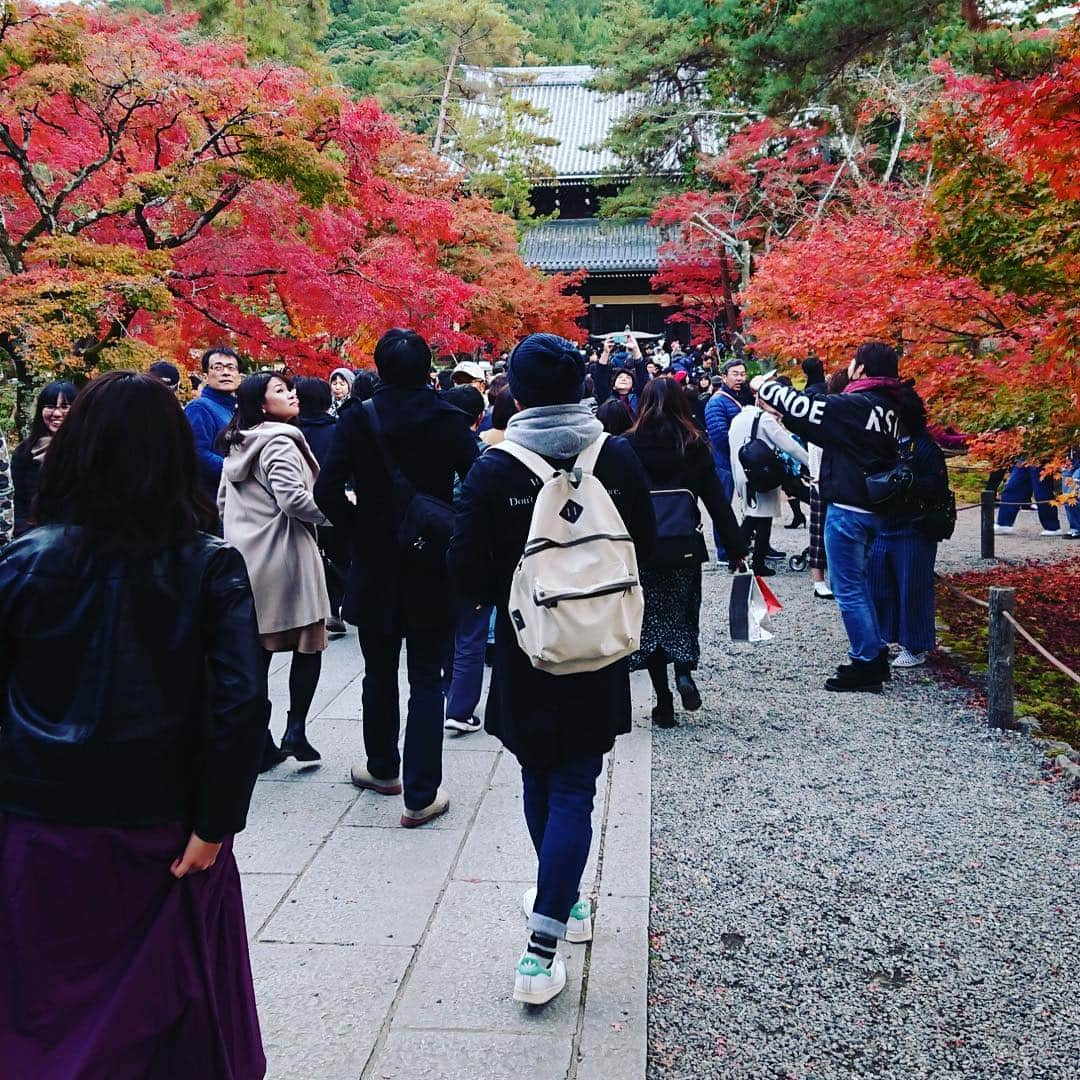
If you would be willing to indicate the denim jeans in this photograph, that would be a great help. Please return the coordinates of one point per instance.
(849, 537)
(727, 482)
(1070, 484)
(425, 651)
(467, 680)
(1026, 485)
(558, 812)
(902, 585)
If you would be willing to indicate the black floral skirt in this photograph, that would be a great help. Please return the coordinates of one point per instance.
(672, 614)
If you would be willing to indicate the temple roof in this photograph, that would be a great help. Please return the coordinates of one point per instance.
(595, 245)
(577, 117)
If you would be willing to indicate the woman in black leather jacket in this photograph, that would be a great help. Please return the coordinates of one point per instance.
(131, 724)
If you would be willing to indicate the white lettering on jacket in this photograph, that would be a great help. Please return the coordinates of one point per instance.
(882, 419)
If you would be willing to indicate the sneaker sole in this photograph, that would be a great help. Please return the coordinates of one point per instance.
(459, 725)
(534, 997)
(379, 789)
(415, 823)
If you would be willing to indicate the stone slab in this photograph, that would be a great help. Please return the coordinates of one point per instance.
(463, 977)
(368, 886)
(261, 895)
(481, 1055)
(625, 870)
(287, 823)
(614, 1036)
(321, 1007)
(341, 666)
(465, 778)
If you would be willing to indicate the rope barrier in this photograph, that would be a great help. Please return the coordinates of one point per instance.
(1041, 650)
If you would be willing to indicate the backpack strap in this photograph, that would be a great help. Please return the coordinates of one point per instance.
(529, 458)
(586, 460)
(398, 479)
(754, 427)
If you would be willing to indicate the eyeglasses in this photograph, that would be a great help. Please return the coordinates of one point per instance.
(60, 406)
(220, 369)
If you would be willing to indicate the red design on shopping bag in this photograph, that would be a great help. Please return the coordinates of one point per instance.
(772, 605)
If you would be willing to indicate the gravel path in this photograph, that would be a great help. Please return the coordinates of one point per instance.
(856, 885)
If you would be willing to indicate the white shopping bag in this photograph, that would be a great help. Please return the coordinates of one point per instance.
(751, 604)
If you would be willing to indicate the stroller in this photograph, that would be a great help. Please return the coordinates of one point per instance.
(800, 562)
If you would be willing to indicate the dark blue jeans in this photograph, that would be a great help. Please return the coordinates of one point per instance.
(1026, 485)
(558, 811)
(849, 537)
(467, 680)
(727, 482)
(425, 651)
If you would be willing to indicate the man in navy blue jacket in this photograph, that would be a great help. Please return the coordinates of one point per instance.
(209, 414)
(722, 408)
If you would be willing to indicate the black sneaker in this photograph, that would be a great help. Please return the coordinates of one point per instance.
(470, 723)
(772, 553)
(765, 571)
(860, 676)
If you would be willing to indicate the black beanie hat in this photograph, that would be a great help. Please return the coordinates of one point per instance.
(545, 369)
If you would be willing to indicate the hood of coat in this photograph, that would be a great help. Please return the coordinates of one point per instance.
(243, 458)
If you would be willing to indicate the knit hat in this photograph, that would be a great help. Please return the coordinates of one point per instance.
(346, 373)
(545, 369)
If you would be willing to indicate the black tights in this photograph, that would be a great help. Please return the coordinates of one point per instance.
(303, 679)
(657, 668)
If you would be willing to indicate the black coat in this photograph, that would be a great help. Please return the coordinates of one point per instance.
(319, 432)
(668, 468)
(133, 688)
(25, 472)
(431, 442)
(543, 719)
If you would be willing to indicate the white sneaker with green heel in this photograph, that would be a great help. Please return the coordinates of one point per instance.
(578, 926)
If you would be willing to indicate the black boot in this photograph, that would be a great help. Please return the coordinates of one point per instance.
(884, 667)
(688, 691)
(271, 755)
(799, 520)
(859, 675)
(663, 714)
(294, 742)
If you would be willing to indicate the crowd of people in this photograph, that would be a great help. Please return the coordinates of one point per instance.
(166, 554)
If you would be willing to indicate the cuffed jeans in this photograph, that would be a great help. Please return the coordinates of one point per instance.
(558, 812)
(467, 679)
(1025, 484)
(849, 538)
(902, 585)
(425, 651)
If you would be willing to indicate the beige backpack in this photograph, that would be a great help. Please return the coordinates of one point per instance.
(575, 599)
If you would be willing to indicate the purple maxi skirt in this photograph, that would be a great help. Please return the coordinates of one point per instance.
(111, 969)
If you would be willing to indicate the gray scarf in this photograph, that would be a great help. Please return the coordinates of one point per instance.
(554, 431)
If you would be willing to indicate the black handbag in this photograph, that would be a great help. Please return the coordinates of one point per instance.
(890, 485)
(938, 520)
(680, 539)
(425, 523)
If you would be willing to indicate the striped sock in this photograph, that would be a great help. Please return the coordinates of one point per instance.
(542, 947)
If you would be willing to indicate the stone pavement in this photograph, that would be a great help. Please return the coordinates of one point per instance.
(387, 953)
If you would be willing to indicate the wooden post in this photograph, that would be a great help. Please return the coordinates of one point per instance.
(986, 515)
(999, 677)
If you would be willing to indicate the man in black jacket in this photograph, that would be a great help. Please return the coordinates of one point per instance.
(392, 595)
(859, 432)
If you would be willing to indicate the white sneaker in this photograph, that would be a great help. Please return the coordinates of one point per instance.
(823, 590)
(907, 659)
(578, 926)
(1051, 532)
(535, 984)
(1004, 530)
(410, 819)
(466, 726)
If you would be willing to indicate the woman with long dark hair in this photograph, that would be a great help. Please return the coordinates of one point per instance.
(129, 745)
(53, 404)
(269, 514)
(679, 464)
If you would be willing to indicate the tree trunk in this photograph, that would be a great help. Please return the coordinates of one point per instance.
(444, 101)
(972, 14)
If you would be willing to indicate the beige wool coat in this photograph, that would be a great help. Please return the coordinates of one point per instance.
(268, 512)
